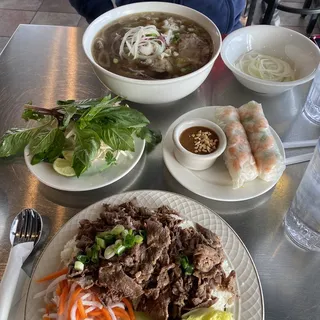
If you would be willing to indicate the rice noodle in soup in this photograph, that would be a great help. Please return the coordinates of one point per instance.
(152, 46)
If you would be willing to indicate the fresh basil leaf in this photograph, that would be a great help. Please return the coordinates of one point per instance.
(29, 114)
(104, 106)
(53, 150)
(44, 138)
(123, 117)
(15, 140)
(87, 144)
(65, 102)
(37, 158)
(110, 158)
(117, 138)
(152, 137)
(69, 112)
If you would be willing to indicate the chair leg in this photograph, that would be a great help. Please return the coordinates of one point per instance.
(267, 18)
(306, 5)
(247, 8)
(252, 9)
(312, 23)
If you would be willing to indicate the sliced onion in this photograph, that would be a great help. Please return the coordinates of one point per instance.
(142, 43)
(265, 67)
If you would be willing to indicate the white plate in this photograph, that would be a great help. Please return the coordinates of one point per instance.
(94, 178)
(250, 306)
(214, 183)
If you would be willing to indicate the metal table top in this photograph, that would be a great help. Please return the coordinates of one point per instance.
(45, 63)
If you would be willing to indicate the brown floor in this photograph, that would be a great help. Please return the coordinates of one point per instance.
(61, 13)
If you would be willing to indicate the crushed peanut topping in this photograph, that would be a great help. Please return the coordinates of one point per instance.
(199, 140)
(203, 143)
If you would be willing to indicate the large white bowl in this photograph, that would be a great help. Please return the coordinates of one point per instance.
(152, 91)
(275, 41)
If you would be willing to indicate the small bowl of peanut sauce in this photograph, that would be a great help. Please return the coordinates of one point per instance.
(198, 143)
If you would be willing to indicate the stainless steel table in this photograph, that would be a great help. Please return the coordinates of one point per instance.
(45, 63)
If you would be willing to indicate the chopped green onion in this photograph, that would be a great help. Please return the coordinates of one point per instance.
(95, 253)
(186, 266)
(79, 266)
(138, 239)
(124, 233)
(109, 252)
(107, 236)
(129, 240)
(101, 243)
(120, 250)
(117, 229)
(83, 258)
(115, 60)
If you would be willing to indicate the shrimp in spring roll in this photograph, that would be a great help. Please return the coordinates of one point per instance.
(237, 156)
(270, 162)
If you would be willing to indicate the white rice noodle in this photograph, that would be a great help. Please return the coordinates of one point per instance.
(265, 67)
(50, 288)
(113, 316)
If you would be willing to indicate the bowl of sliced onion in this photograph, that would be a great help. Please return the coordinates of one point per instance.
(270, 60)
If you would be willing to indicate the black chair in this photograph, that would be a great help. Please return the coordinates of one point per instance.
(272, 5)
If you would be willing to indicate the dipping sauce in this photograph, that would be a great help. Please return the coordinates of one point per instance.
(199, 140)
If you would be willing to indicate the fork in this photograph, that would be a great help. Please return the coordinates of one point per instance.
(25, 233)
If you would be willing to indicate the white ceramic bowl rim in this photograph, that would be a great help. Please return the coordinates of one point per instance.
(201, 122)
(158, 82)
(257, 80)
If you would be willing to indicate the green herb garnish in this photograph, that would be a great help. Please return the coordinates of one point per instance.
(186, 265)
(84, 126)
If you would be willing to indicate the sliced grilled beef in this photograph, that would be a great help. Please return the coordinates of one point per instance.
(150, 273)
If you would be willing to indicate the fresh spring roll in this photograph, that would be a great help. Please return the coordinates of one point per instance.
(237, 156)
(270, 162)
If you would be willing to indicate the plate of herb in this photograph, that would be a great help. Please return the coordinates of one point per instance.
(81, 145)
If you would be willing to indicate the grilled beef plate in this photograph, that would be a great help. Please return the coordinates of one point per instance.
(152, 274)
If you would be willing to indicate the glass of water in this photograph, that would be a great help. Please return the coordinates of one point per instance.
(302, 222)
(312, 107)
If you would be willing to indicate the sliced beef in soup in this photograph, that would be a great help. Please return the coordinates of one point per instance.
(152, 46)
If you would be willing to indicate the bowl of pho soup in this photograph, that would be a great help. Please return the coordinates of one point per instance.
(152, 52)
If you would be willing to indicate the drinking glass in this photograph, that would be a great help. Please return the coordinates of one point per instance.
(312, 106)
(302, 222)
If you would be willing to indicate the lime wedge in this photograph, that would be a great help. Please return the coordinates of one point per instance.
(68, 155)
(63, 167)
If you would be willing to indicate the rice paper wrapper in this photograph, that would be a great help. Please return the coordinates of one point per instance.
(270, 162)
(238, 157)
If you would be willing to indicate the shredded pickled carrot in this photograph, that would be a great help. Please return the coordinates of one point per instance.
(121, 314)
(129, 307)
(82, 312)
(53, 275)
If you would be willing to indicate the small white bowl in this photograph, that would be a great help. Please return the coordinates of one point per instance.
(274, 41)
(197, 161)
